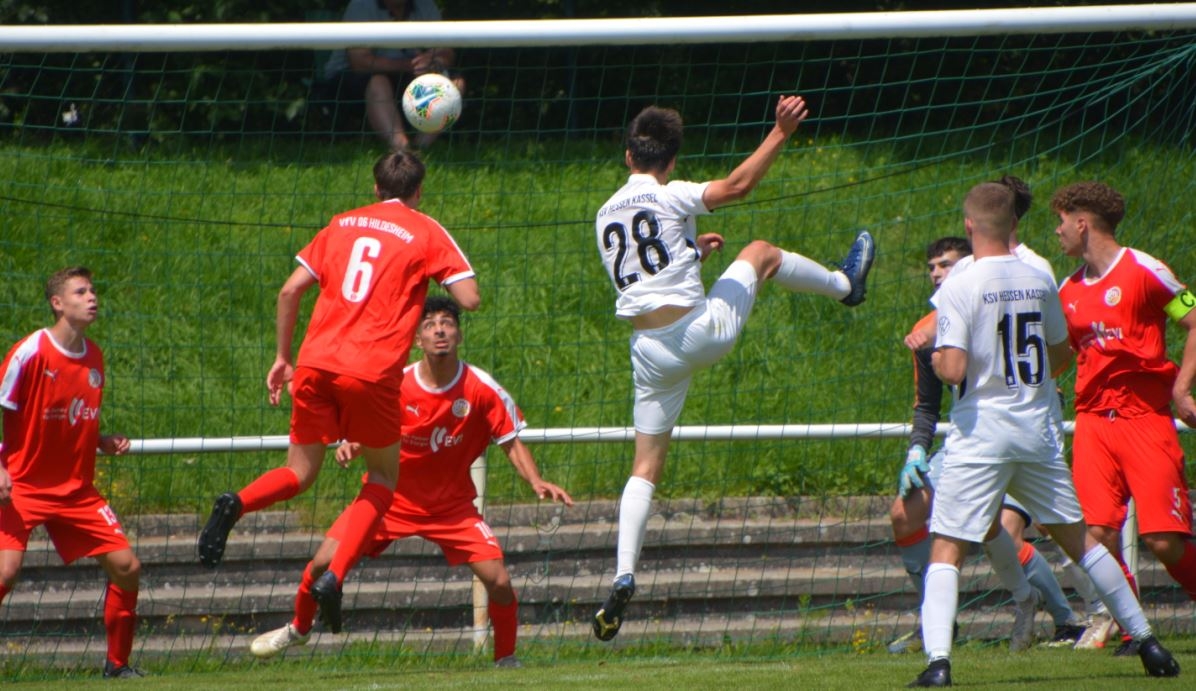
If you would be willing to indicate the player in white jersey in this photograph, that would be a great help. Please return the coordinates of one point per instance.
(1001, 333)
(1019, 566)
(648, 241)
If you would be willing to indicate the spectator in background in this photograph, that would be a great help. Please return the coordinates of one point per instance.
(379, 75)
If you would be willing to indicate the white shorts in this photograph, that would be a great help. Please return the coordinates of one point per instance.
(1007, 502)
(663, 360)
(969, 495)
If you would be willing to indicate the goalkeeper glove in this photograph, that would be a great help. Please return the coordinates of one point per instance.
(911, 473)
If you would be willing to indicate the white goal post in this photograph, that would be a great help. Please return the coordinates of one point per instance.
(577, 32)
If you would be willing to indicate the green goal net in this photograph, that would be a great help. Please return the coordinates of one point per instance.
(188, 180)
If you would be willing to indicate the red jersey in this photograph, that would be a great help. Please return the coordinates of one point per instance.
(444, 431)
(373, 265)
(51, 400)
(1116, 325)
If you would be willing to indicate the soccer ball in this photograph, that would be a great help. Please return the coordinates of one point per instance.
(431, 103)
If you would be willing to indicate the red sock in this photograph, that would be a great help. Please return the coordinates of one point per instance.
(270, 488)
(120, 621)
(1184, 570)
(4, 591)
(305, 604)
(362, 516)
(914, 538)
(1026, 553)
(505, 620)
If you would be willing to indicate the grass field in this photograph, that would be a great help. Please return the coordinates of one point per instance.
(190, 246)
(978, 666)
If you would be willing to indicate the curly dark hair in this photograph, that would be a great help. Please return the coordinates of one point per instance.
(1097, 198)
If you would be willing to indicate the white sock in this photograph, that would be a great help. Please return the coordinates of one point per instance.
(634, 509)
(1040, 575)
(802, 275)
(1083, 585)
(1003, 557)
(1109, 580)
(938, 610)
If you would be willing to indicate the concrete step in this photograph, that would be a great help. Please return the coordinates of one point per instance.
(737, 567)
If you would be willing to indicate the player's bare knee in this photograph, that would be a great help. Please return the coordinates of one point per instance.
(762, 255)
(9, 574)
(1166, 547)
(500, 592)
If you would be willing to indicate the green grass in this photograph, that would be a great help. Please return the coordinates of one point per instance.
(191, 244)
(974, 666)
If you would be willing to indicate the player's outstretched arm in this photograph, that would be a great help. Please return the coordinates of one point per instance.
(1185, 406)
(791, 111)
(521, 457)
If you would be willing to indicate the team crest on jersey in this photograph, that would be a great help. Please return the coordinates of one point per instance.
(460, 407)
(1113, 296)
(94, 378)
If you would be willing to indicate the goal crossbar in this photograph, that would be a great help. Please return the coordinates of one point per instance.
(577, 32)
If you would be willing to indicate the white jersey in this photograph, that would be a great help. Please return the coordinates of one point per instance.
(1003, 313)
(647, 237)
(1022, 252)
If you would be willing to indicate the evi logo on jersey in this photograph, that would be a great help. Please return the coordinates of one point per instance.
(441, 439)
(78, 410)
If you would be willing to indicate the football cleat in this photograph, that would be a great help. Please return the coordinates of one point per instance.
(1066, 636)
(112, 671)
(274, 642)
(1156, 659)
(1128, 648)
(937, 673)
(856, 266)
(214, 535)
(327, 593)
(1022, 636)
(508, 662)
(609, 618)
(1100, 628)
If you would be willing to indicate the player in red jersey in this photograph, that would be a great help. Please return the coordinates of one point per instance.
(1117, 306)
(373, 265)
(51, 391)
(451, 412)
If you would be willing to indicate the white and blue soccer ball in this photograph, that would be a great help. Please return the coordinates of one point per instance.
(431, 103)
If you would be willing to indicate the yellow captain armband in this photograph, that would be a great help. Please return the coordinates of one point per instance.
(1181, 305)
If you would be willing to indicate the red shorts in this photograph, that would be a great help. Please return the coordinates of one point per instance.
(330, 407)
(464, 539)
(1117, 458)
(80, 526)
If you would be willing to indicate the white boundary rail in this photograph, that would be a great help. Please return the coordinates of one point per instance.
(579, 435)
(576, 32)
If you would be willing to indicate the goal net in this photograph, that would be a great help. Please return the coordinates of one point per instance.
(186, 166)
